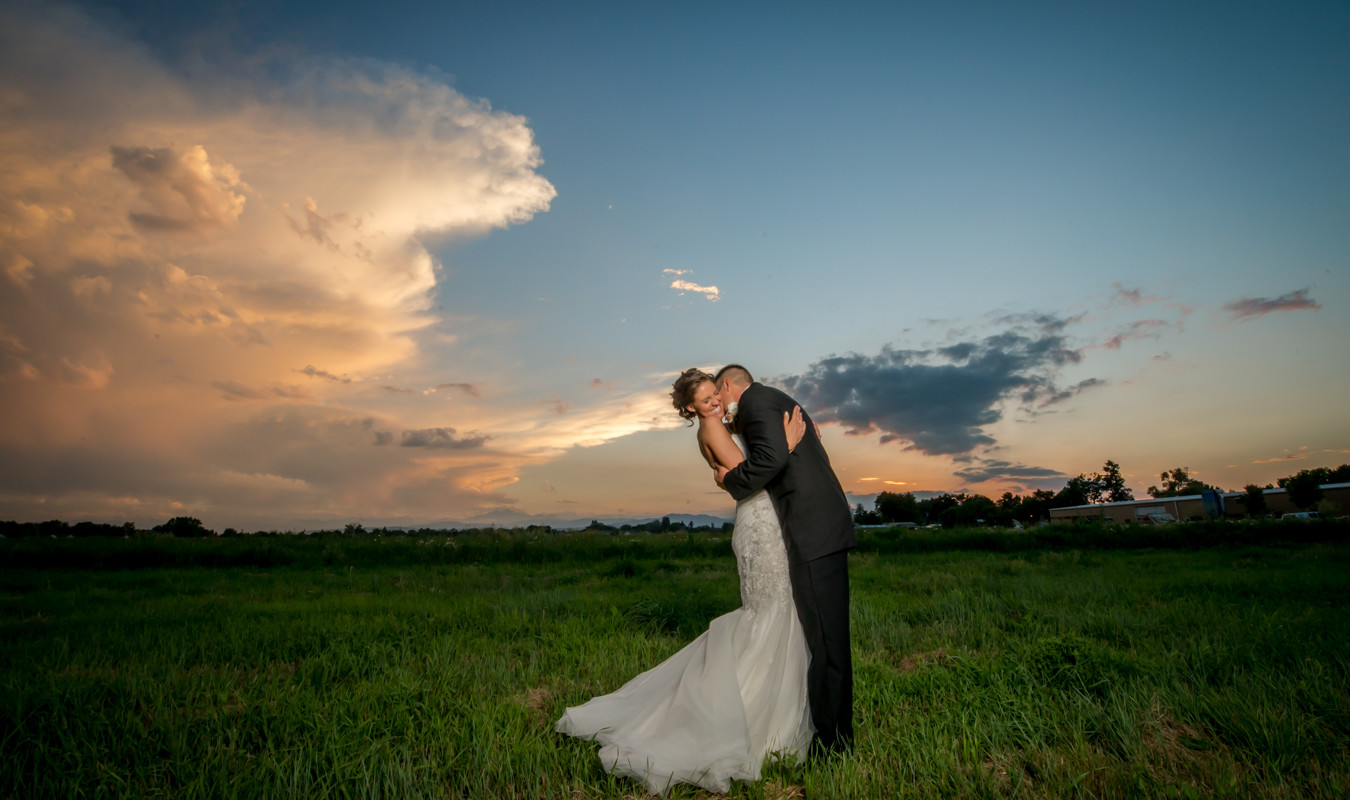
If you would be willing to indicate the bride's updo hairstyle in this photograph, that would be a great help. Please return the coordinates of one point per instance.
(682, 393)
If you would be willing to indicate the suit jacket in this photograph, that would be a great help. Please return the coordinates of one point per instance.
(811, 504)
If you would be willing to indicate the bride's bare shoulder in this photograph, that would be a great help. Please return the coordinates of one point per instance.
(715, 442)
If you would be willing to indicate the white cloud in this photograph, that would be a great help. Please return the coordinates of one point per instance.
(710, 292)
(186, 256)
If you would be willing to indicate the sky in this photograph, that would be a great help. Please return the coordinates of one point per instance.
(283, 266)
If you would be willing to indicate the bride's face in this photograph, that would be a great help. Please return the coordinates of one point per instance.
(707, 402)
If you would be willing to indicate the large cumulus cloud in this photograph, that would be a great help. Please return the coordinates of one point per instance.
(184, 256)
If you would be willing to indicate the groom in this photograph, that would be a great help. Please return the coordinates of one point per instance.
(818, 531)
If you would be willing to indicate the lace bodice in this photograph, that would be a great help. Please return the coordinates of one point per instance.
(761, 556)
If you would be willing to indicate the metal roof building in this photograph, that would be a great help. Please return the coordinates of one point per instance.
(1196, 506)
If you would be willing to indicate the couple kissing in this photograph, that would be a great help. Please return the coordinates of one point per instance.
(773, 678)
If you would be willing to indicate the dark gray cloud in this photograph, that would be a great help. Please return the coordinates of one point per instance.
(936, 401)
(185, 194)
(1249, 307)
(234, 390)
(1072, 391)
(441, 439)
(315, 372)
(1005, 470)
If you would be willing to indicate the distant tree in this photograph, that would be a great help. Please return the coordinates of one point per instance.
(975, 509)
(1177, 483)
(86, 528)
(1108, 486)
(932, 509)
(1323, 475)
(1036, 506)
(862, 516)
(1305, 488)
(354, 529)
(1256, 500)
(53, 527)
(1076, 492)
(897, 507)
(1009, 506)
(185, 526)
(665, 524)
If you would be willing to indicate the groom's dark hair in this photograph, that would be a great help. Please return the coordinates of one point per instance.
(735, 373)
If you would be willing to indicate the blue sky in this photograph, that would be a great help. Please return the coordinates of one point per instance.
(988, 247)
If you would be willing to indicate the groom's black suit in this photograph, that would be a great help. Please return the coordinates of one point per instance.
(818, 531)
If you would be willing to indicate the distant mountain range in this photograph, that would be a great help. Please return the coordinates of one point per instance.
(512, 518)
(518, 520)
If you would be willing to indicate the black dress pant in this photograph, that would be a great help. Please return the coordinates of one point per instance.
(820, 591)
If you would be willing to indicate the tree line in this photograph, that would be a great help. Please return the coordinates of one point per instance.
(1106, 486)
(190, 527)
(946, 509)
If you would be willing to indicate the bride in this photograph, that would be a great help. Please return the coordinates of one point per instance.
(715, 710)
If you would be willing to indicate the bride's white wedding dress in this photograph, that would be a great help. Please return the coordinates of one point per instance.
(712, 712)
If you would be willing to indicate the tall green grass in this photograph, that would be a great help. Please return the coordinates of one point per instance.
(1052, 671)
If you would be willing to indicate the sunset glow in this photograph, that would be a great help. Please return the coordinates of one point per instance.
(407, 271)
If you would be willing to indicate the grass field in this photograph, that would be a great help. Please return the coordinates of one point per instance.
(985, 667)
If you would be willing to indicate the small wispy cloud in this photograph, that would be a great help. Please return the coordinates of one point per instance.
(1249, 307)
(236, 391)
(557, 404)
(1277, 459)
(465, 388)
(676, 272)
(1139, 329)
(1289, 455)
(710, 292)
(1124, 295)
(315, 372)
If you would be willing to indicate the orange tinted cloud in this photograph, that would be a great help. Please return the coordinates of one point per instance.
(201, 277)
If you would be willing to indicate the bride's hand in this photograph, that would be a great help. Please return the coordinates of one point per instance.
(794, 427)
